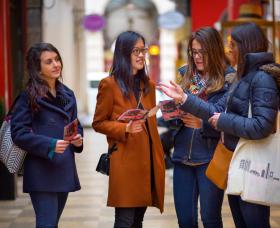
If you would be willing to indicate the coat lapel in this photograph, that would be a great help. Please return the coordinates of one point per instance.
(66, 111)
(46, 104)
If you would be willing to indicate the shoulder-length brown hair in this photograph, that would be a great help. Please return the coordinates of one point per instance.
(213, 57)
(249, 38)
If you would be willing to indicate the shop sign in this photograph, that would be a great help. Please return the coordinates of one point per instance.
(93, 22)
(171, 20)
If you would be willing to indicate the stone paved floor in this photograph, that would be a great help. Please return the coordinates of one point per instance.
(87, 208)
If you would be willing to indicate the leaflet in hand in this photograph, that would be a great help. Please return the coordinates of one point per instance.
(169, 110)
(71, 130)
(134, 114)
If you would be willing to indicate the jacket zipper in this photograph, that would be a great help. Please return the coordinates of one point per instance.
(191, 144)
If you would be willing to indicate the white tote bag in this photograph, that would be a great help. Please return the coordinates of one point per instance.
(254, 171)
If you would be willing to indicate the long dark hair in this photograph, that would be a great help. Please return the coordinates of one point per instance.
(249, 39)
(212, 44)
(121, 68)
(36, 85)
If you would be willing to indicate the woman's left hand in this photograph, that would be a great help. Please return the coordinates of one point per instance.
(77, 140)
(213, 120)
(191, 121)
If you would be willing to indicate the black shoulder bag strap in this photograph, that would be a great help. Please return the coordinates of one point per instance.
(114, 146)
(112, 149)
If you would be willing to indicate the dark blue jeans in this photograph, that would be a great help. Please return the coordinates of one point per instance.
(189, 183)
(48, 207)
(247, 215)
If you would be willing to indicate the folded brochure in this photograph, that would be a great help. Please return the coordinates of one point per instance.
(138, 114)
(71, 130)
(169, 110)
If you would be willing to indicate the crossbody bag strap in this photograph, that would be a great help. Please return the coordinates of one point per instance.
(114, 146)
(140, 97)
(112, 149)
(230, 92)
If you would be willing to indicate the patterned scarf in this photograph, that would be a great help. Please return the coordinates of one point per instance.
(198, 86)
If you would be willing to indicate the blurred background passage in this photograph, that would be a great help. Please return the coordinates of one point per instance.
(84, 31)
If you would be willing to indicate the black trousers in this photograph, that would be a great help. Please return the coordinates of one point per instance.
(129, 217)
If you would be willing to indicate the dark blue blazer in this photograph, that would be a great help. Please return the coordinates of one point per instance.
(34, 131)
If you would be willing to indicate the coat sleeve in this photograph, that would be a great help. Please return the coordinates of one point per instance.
(207, 130)
(264, 104)
(21, 130)
(102, 117)
(202, 109)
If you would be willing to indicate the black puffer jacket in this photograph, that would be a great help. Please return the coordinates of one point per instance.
(258, 86)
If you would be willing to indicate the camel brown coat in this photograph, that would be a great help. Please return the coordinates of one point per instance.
(130, 165)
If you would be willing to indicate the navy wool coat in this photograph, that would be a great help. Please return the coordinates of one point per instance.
(34, 131)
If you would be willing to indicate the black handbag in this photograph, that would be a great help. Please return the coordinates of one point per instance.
(103, 165)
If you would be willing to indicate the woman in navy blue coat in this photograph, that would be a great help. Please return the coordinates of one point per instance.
(42, 111)
(255, 68)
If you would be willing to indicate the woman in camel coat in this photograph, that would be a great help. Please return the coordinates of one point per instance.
(137, 169)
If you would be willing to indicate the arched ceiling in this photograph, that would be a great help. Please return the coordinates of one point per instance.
(137, 15)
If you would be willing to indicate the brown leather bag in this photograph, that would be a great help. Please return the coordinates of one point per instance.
(217, 170)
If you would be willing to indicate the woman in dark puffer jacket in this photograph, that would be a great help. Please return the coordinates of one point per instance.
(255, 71)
